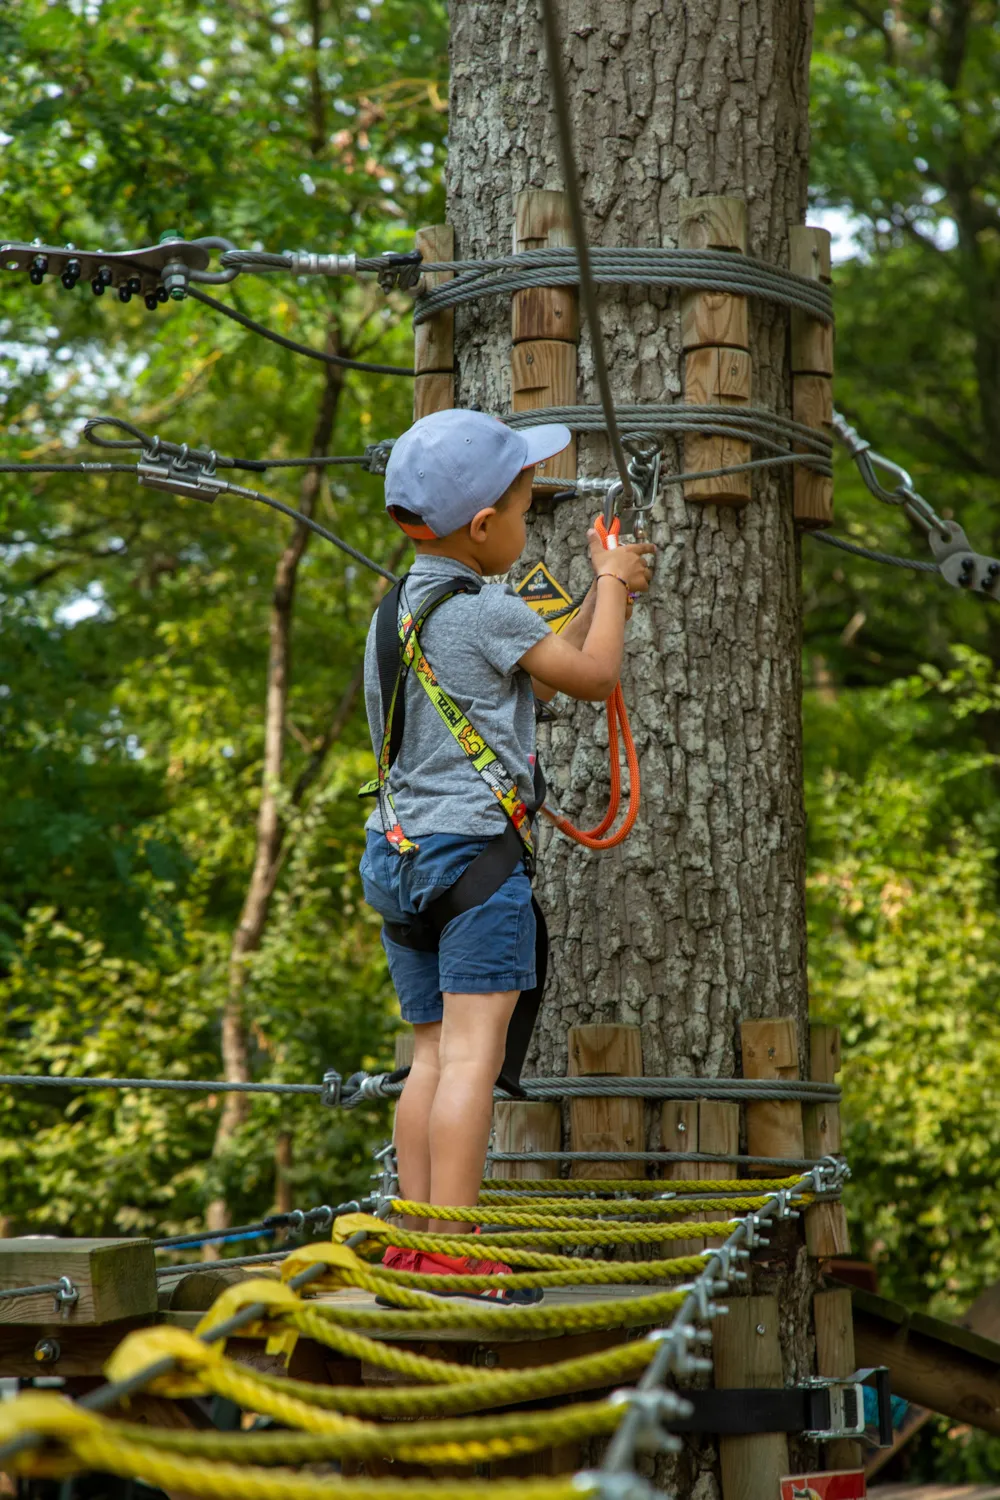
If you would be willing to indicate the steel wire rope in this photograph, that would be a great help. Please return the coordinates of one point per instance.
(918, 565)
(588, 294)
(155, 445)
(680, 270)
(340, 360)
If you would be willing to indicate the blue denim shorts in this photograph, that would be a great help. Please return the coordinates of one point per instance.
(488, 948)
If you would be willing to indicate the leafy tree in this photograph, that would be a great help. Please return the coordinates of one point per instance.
(136, 626)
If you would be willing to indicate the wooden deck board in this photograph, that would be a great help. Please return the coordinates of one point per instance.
(354, 1300)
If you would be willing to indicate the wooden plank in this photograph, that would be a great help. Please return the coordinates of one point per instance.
(433, 393)
(771, 1050)
(545, 323)
(746, 1352)
(714, 333)
(826, 1223)
(812, 374)
(526, 1126)
(55, 1349)
(403, 1055)
(611, 1124)
(543, 373)
(542, 221)
(933, 1363)
(434, 340)
(679, 1132)
(834, 1325)
(718, 1130)
(116, 1278)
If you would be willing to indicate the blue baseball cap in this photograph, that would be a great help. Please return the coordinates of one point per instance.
(452, 464)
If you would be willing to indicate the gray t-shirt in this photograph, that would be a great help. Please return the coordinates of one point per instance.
(473, 643)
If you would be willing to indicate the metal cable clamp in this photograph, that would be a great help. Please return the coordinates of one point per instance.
(653, 1407)
(67, 1296)
(332, 1087)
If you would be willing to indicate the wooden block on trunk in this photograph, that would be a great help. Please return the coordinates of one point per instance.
(433, 393)
(116, 1279)
(434, 340)
(826, 1223)
(526, 1126)
(812, 372)
(746, 1352)
(403, 1052)
(542, 221)
(771, 1051)
(605, 1124)
(717, 363)
(679, 1132)
(543, 373)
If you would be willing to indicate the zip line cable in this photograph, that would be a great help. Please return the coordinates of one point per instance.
(340, 360)
(588, 293)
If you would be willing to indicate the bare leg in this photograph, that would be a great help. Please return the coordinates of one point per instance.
(471, 1052)
(411, 1132)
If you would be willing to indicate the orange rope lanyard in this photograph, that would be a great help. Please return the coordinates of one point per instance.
(594, 838)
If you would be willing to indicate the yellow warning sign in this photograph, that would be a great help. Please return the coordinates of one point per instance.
(542, 593)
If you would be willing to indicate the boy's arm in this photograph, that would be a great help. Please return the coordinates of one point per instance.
(575, 632)
(590, 670)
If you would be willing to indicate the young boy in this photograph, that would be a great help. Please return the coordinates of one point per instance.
(459, 483)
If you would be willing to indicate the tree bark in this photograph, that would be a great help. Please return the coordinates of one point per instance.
(698, 920)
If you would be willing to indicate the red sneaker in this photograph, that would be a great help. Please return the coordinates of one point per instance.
(433, 1262)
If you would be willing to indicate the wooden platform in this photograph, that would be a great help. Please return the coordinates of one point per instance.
(555, 1297)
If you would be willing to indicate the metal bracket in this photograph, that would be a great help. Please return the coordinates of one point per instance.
(961, 566)
(654, 1407)
(181, 475)
(139, 272)
(400, 270)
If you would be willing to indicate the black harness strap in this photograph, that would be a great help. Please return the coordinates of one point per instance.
(485, 874)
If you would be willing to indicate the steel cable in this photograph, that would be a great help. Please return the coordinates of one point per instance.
(679, 270)
(588, 292)
(340, 360)
(886, 558)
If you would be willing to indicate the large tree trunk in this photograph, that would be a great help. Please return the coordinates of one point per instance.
(698, 920)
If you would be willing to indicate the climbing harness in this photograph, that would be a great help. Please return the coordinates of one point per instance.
(399, 655)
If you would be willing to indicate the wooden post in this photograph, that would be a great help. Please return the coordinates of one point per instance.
(812, 374)
(115, 1279)
(526, 1126)
(699, 1125)
(834, 1320)
(746, 1352)
(404, 1048)
(614, 1124)
(716, 341)
(434, 341)
(545, 323)
(826, 1223)
(774, 1126)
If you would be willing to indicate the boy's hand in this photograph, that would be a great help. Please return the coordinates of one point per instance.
(626, 562)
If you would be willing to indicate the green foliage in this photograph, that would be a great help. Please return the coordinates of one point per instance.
(134, 640)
